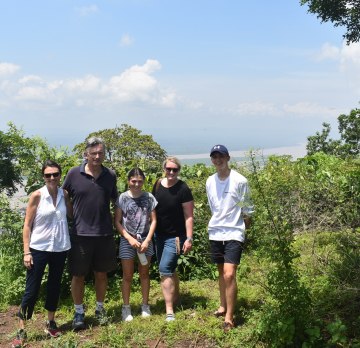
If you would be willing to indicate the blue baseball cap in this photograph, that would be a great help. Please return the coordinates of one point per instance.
(219, 148)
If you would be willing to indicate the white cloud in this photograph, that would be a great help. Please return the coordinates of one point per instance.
(348, 57)
(8, 69)
(304, 109)
(30, 78)
(327, 52)
(126, 40)
(257, 108)
(85, 11)
(301, 109)
(135, 86)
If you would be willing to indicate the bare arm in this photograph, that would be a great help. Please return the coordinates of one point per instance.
(119, 227)
(113, 200)
(188, 209)
(69, 206)
(247, 221)
(145, 243)
(29, 219)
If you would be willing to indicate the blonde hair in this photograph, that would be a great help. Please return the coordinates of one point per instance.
(173, 160)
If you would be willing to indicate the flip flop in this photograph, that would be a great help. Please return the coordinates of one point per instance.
(216, 314)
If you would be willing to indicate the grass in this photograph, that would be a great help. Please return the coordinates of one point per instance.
(192, 326)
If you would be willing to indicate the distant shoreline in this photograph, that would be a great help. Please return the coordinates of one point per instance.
(296, 152)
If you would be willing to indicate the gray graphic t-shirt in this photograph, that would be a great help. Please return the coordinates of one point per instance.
(136, 212)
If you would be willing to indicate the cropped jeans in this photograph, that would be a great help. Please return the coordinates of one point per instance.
(166, 253)
(56, 262)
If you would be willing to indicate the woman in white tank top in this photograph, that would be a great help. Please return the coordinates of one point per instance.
(46, 241)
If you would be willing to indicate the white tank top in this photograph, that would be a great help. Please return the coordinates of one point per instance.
(50, 231)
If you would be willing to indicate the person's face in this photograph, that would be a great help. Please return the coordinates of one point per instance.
(219, 160)
(52, 176)
(135, 183)
(171, 170)
(95, 155)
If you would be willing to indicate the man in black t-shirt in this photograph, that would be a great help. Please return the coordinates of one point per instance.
(91, 187)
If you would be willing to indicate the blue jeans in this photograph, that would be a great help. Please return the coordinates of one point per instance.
(166, 253)
(56, 262)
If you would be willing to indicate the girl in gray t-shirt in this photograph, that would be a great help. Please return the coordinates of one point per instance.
(135, 220)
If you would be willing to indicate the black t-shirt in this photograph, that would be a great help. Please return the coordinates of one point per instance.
(169, 211)
(91, 200)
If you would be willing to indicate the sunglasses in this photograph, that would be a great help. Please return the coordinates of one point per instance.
(174, 170)
(55, 175)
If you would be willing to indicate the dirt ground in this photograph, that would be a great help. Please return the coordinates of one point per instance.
(8, 327)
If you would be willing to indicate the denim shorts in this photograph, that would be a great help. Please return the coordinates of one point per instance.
(166, 254)
(228, 251)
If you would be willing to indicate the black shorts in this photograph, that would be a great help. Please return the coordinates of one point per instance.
(228, 251)
(98, 251)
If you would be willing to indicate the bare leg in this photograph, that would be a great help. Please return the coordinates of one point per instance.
(128, 273)
(168, 288)
(21, 324)
(231, 290)
(100, 285)
(78, 289)
(145, 280)
(222, 288)
(177, 287)
(51, 316)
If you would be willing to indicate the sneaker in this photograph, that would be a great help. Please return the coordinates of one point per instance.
(126, 313)
(145, 311)
(51, 329)
(170, 317)
(20, 339)
(100, 314)
(79, 321)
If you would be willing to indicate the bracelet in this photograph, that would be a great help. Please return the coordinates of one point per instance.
(27, 253)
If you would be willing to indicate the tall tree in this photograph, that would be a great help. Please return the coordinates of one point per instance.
(349, 128)
(32, 152)
(340, 12)
(10, 173)
(320, 142)
(126, 143)
(347, 145)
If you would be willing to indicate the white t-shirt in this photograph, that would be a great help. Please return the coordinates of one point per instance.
(229, 200)
(50, 231)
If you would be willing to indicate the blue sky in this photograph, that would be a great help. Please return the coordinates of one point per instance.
(191, 73)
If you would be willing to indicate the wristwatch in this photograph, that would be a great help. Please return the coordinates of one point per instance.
(189, 239)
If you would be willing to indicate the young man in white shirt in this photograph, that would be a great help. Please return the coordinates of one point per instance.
(231, 207)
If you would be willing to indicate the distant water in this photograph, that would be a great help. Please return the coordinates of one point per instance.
(296, 152)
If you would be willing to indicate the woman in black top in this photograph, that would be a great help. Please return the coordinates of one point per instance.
(174, 229)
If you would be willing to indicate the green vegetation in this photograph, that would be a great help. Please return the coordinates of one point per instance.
(347, 145)
(345, 13)
(299, 279)
(10, 175)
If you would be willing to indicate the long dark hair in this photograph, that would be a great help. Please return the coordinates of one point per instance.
(134, 172)
(50, 163)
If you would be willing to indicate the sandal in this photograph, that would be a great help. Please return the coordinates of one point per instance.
(227, 326)
(216, 314)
